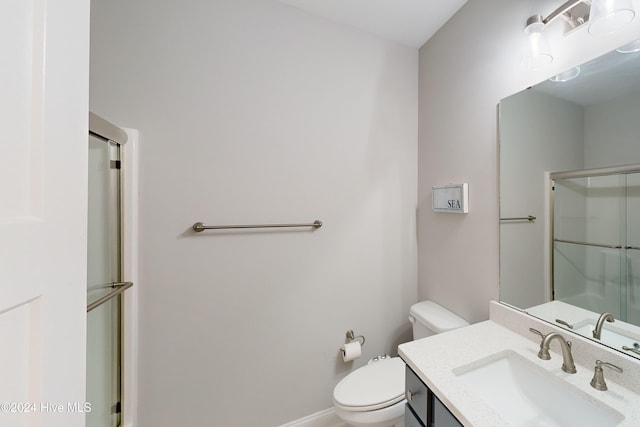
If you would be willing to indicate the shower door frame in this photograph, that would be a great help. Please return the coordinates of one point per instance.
(129, 259)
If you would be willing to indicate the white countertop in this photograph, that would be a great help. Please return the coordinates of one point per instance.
(434, 359)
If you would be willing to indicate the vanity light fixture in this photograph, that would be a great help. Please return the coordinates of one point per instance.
(603, 16)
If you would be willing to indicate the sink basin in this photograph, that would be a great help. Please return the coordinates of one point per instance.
(610, 335)
(525, 394)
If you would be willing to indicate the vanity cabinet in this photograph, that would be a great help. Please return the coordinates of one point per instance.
(423, 408)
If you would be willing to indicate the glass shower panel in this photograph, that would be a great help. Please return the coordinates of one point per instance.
(633, 248)
(103, 322)
(588, 267)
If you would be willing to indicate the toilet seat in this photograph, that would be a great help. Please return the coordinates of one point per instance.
(371, 387)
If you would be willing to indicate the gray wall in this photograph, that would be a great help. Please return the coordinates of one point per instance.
(611, 132)
(465, 69)
(254, 112)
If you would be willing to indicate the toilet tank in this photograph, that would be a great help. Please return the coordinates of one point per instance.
(429, 318)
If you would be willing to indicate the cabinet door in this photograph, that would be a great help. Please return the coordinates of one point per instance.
(423, 406)
(441, 415)
(417, 395)
(410, 419)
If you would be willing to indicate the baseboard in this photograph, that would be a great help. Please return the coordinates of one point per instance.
(326, 418)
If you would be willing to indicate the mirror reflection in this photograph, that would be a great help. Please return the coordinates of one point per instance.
(570, 200)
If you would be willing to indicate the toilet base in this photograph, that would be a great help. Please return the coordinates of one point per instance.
(391, 416)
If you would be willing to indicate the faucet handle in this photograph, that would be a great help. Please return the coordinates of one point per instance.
(535, 331)
(633, 349)
(543, 353)
(598, 381)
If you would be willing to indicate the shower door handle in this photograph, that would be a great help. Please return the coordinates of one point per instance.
(118, 288)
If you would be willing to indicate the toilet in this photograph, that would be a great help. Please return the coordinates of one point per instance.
(373, 395)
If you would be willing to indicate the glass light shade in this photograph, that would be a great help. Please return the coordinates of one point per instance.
(566, 75)
(609, 16)
(536, 46)
(632, 47)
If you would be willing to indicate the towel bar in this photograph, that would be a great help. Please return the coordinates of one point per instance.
(200, 226)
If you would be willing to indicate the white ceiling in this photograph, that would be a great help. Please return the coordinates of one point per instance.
(409, 22)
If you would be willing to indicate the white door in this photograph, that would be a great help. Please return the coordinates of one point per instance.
(44, 73)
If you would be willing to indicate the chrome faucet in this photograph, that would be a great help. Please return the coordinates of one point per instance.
(598, 330)
(567, 359)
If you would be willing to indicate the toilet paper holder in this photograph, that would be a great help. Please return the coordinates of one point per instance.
(352, 337)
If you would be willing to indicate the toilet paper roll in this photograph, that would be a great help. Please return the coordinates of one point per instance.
(351, 351)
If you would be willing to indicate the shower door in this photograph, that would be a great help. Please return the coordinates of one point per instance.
(596, 245)
(588, 251)
(104, 275)
(633, 248)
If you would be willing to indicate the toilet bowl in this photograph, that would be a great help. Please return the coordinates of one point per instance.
(373, 395)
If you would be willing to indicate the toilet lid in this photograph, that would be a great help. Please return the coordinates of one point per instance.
(373, 386)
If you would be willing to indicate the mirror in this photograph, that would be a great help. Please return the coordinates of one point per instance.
(590, 122)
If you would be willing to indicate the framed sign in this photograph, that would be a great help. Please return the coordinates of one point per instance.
(450, 198)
